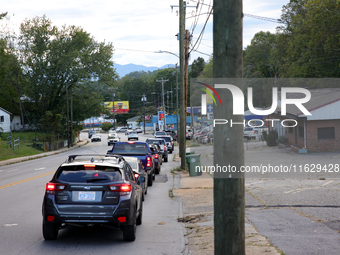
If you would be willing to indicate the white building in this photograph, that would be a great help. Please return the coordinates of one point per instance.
(5, 120)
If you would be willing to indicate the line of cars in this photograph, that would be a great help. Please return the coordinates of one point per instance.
(105, 190)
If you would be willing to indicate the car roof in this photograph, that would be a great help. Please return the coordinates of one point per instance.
(104, 160)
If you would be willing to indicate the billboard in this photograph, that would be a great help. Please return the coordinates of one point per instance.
(120, 106)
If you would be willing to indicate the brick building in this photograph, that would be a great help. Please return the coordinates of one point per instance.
(318, 132)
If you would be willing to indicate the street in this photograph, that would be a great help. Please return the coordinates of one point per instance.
(22, 187)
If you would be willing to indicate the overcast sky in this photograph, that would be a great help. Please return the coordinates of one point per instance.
(139, 28)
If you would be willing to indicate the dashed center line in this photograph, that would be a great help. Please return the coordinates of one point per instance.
(26, 180)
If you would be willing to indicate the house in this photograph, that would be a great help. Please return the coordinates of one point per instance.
(5, 120)
(318, 132)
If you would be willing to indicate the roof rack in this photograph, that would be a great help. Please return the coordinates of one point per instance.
(93, 158)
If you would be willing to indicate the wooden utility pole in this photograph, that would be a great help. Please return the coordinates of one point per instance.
(228, 149)
(183, 91)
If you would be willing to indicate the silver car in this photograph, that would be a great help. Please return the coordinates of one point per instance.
(132, 136)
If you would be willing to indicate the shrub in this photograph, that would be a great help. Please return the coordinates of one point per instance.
(106, 126)
(282, 139)
(271, 138)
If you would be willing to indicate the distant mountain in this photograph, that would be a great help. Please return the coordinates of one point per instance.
(123, 70)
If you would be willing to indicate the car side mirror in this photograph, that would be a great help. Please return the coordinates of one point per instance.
(109, 152)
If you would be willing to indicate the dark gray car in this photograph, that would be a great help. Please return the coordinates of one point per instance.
(93, 190)
(162, 144)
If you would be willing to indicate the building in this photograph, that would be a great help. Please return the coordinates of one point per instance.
(5, 120)
(319, 132)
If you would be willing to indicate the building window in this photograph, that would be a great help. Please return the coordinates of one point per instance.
(2, 119)
(301, 132)
(326, 133)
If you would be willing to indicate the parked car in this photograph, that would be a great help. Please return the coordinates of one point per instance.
(112, 138)
(92, 190)
(139, 130)
(140, 150)
(137, 167)
(122, 130)
(91, 132)
(162, 144)
(169, 143)
(157, 156)
(132, 136)
(96, 138)
(188, 134)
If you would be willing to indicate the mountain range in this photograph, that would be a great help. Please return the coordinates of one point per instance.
(123, 70)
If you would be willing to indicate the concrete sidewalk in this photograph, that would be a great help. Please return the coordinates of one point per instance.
(43, 154)
(196, 195)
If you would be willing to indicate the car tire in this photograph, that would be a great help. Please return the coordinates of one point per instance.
(50, 231)
(157, 170)
(129, 231)
(154, 175)
(150, 179)
(166, 159)
(140, 216)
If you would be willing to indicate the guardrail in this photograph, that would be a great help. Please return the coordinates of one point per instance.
(16, 143)
(9, 141)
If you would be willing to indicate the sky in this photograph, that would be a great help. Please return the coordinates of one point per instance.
(139, 29)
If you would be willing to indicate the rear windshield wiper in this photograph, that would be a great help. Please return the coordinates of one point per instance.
(96, 179)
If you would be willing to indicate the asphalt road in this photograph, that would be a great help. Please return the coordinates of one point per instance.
(22, 187)
(298, 215)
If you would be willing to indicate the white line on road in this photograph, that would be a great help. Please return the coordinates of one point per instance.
(303, 189)
(12, 170)
(42, 168)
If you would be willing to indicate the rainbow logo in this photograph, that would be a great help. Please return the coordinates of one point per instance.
(204, 97)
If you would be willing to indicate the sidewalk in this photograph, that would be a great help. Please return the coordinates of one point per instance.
(196, 195)
(41, 155)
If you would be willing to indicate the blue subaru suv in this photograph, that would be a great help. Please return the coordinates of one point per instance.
(93, 190)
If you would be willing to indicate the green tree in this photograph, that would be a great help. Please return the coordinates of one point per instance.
(60, 59)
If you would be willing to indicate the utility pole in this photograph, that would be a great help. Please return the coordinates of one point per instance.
(228, 149)
(182, 146)
(67, 118)
(114, 113)
(177, 102)
(163, 105)
(144, 100)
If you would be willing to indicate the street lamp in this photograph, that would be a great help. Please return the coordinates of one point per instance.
(144, 100)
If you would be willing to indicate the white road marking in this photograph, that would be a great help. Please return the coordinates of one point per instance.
(13, 170)
(42, 168)
(294, 191)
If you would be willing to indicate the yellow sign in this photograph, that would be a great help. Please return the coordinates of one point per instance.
(120, 106)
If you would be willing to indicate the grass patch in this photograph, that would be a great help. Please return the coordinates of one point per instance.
(171, 194)
(26, 148)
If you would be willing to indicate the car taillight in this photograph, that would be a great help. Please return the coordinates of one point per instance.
(124, 189)
(156, 155)
(148, 162)
(54, 187)
(164, 147)
(172, 143)
(136, 175)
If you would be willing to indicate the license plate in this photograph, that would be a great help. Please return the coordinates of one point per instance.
(86, 196)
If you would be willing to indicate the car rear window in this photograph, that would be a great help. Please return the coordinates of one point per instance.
(80, 173)
(130, 148)
(166, 138)
(154, 141)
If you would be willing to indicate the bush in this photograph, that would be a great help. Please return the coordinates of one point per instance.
(282, 139)
(271, 138)
(106, 126)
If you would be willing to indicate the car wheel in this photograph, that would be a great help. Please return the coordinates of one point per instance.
(150, 179)
(129, 231)
(157, 170)
(140, 216)
(50, 231)
(170, 152)
(153, 175)
(146, 190)
(108, 144)
(166, 159)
